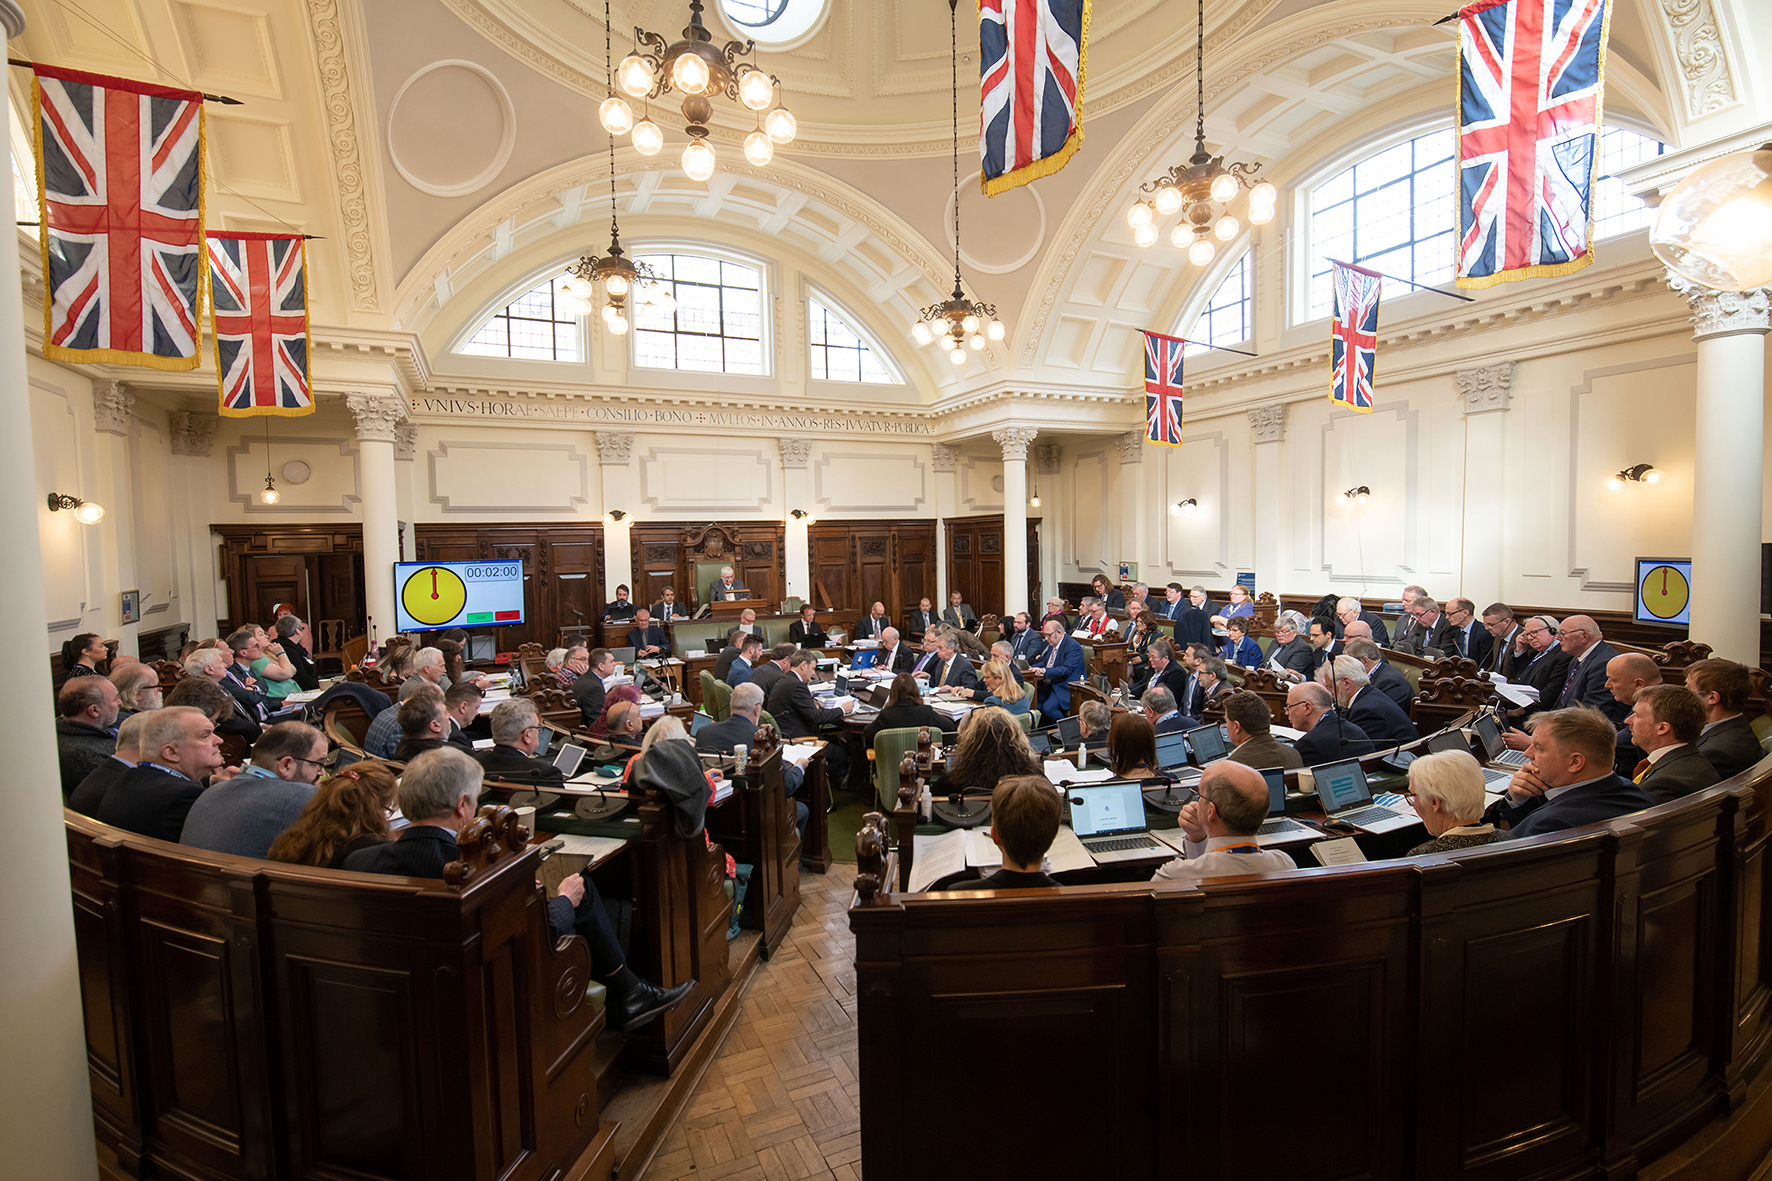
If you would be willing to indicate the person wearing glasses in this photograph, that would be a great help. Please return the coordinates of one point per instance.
(516, 732)
(243, 815)
(1446, 790)
(1469, 637)
(1507, 646)
(1546, 671)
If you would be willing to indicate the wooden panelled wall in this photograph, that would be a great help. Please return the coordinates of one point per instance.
(856, 564)
(562, 571)
(318, 568)
(666, 554)
(975, 563)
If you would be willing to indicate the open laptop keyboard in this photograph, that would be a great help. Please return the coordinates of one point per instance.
(1497, 780)
(1365, 816)
(1275, 827)
(1121, 843)
(1510, 758)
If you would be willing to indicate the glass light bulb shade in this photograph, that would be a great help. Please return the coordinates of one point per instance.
(616, 116)
(698, 160)
(689, 74)
(1224, 187)
(615, 284)
(756, 91)
(1175, 510)
(658, 296)
(1260, 215)
(1715, 228)
(609, 312)
(634, 75)
(1263, 193)
(1225, 228)
(269, 496)
(1033, 502)
(1201, 252)
(1182, 236)
(1653, 476)
(1613, 484)
(647, 138)
(920, 331)
(1362, 497)
(89, 513)
(958, 356)
(618, 324)
(1145, 235)
(780, 125)
(976, 341)
(758, 148)
(996, 331)
(969, 324)
(1141, 214)
(573, 286)
(1168, 200)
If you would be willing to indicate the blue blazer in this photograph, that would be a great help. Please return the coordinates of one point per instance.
(1380, 718)
(1055, 688)
(1019, 706)
(1587, 804)
(1248, 654)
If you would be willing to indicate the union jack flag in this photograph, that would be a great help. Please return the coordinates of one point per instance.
(1353, 335)
(1162, 388)
(1528, 128)
(120, 200)
(260, 288)
(1032, 56)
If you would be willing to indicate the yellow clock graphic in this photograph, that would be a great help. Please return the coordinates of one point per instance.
(1665, 592)
(433, 595)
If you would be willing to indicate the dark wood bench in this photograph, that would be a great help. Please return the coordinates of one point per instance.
(756, 825)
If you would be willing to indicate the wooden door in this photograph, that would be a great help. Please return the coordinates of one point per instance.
(975, 563)
(273, 579)
(860, 563)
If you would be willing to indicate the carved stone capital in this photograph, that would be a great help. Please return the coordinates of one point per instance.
(1722, 313)
(946, 458)
(111, 402)
(406, 440)
(615, 448)
(796, 453)
(1014, 441)
(1705, 74)
(1046, 459)
(1490, 387)
(1131, 447)
(1268, 423)
(192, 434)
(377, 416)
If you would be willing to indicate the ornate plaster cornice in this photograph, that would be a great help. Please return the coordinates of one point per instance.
(1268, 423)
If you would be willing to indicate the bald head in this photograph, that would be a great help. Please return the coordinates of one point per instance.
(1630, 673)
(1359, 629)
(1578, 634)
(1238, 795)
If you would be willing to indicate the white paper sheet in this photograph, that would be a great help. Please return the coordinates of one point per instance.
(1059, 770)
(936, 858)
(592, 847)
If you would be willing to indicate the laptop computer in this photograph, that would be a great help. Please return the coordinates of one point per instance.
(699, 721)
(1039, 742)
(1447, 740)
(1346, 798)
(1208, 744)
(622, 655)
(568, 757)
(1171, 750)
(1495, 749)
(1279, 827)
(1070, 732)
(865, 658)
(1108, 819)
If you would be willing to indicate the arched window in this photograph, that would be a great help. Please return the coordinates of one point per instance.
(1226, 319)
(534, 327)
(1615, 210)
(718, 323)
(838, 354)
(773, 22)
(1393, 212)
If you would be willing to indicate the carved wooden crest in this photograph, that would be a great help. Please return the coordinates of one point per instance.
(711, 542)
(1680, 653)
(491, 837)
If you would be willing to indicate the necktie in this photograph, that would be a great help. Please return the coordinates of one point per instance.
(1574, 671)
(944, 672)
(1642, 770)
(1463, 642)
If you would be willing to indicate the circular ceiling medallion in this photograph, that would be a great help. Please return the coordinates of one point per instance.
(451, 128)
(1017, 222)
(297, 471)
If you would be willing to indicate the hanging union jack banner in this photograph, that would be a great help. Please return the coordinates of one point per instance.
(1353, 335)
(1162, 388)
(1032, 56)
(259, 283)
(1528, 131)
(120, 201)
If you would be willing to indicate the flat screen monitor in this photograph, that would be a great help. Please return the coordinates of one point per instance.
(430, 595)
(1663, 593)
(1171, 751)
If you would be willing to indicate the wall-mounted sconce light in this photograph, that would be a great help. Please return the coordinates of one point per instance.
(1641, 473)
(1186, 506)
(85, 512)
(617, 515)
(1358, 495)
(801, 514)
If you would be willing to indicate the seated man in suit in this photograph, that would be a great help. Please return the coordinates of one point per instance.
(90, 792)
(1025, 815)
(646, 638)
(86, 711)
(1024, 637)
(1292, 652)
(439, 793)
(1665, 722)
(1324, 646)
(740, 729)
(1628, 674)
(953, 670)
(1328, 736)
(723, 663)
(1253, 744)
(588, 689)
(179, 751)
(773, 664)
(921, 620)
(797, 715)
(1368, 708)
(1728, 738)
(249, 706)
(461, 701)
(805, 630)
(384, 733)
(667, 608)
(622, 609)
(1383, 677)
(1432, 634)
(1198, 600)
(1094, 619)
(516, 732)
(1238, 648)
(958, 614)
(1470, 639)
(1161, 712)
(1348, 610)
(928, 662)
(1218, 828)
(424, 724)
(1170, 605)
(1545, 669)
(872, 625)
(1507, 649)
(626, 731)
(1171, 674)
(1568, 779)
(1589, 655)
(1053, 669)
(893, 654)
(750, 654)
(747, 622)
(1215, 681)
(726, 587)
(1407, 626)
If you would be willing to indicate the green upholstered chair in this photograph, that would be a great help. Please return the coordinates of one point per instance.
(1026, 720)
(889, 750)
(716, 698)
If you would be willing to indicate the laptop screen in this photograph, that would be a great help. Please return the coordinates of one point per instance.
(1070, 731)
(1490, 733)
(1039, 742)
(1208, 744)
(623, 655)
(698, 722)
(1341, 786)
(1276, 791)
(1171, 750)
(1447, 740)
(542, 743)
(568, 759)
(865, 658)
(1106, 809)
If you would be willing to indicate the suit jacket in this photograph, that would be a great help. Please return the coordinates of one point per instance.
(1680, 772)
(1392, 684)
(961, 617)
(1333, 738)
(1476, 640)
(1588, 686)
(738, 672)
(1174, 678)
(869, 628)
(1730, 745)
(1545, 671)
(1588, 803)
(252, 702)
(1407, 629)
(663, 612)
(420, 851)
(721, 737)
(1025, 643)
(588, 691)
(960, 674)
(411, 748)
(653, 635)
(458, 738)
(149, 801)
(1501, 654)
(1193, 695)
(902, 659)
(1115, 599)
(1176, 723)
(764, 677)
(1193, 626)
(724, 662)
(1380, 634)
(920, 622)
(805, 637)
(1297, 656)
(1170, 610)
(513, 766)
(306, 675)
(1055, 689)
(796, 714)
(91, 791)
(1322, 656)
(1247, 654)
(1419, 638)
(1266, 751)
(82, 748)
(1380, 718)
(719, 591)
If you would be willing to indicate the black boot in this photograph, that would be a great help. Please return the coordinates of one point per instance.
(643, 1002)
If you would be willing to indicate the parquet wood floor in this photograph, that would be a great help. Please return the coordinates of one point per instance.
(781, 1100)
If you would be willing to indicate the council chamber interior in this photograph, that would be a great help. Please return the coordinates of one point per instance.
(824, 942)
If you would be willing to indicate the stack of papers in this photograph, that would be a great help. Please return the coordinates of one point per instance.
(952, 709)
(497, 695)
(1066, 854)
(1064, 770)
(1518, 694)
(799, 754)
(303, 697)
(1286, 732)
(592, 847)
(651, 709)
(618, 679)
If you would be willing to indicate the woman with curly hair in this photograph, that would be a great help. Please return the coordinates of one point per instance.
(349, 812)
(991, 746)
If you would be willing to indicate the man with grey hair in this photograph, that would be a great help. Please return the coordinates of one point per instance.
(893, 656)
(179, 751)
(1161, 712)
(740, 729)
(1432, 633)
(573, 665)
(297, 642)
(1348, 610)
(1292, 654)
(1384, 678)
(516, 733)
(428, 663)
(726, 586)
(1327, 735)
(1407, 626)
(952, 668)
(245, 814)
(439, 792)
(1368, 709)
(1140, 594)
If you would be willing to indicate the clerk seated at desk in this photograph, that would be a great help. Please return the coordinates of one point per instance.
(951, 668)
(873, 625)
(621, 610)
(1219, 826)
(1025, 815)
(667, 608)
(646, 638)
(726, 587)
(516, 732)
(805, 631)
(958, 614)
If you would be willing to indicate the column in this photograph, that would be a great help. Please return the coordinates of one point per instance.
(1486, 393)
(192, 436)
(378, 419)
(1267, 427)
(947, 494)
(112, 403)
(46, 1118)
(1014, 441)
(796, 493)
(1046, 460)
(1728, 466)
(405, 451)
(614, 453)
(1129, 519)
